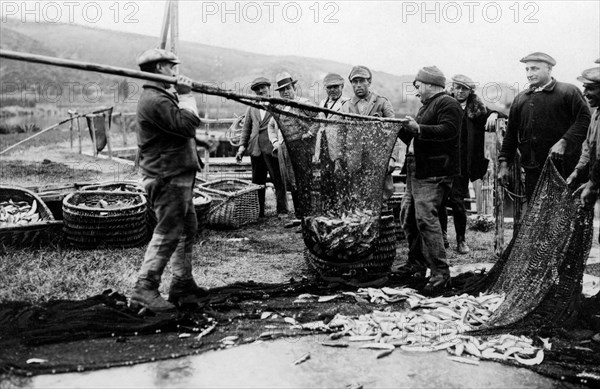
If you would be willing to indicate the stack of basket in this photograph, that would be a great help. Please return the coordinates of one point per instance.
(373, 269)
(25, 220)
(98, 217)
(234, 202)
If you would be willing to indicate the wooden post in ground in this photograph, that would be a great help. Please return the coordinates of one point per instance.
(107, 131)
(71, 128)
(498, 191)
(93, 131)
(79, 135)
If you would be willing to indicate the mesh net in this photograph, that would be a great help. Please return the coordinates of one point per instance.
(339, 168)
(542, 268)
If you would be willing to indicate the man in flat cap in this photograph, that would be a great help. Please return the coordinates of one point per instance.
(286, 86)
(167, 122)
(367, 103)
(548, 119)
(255, 141)
(476, 119)
(590, 154)
(431, 162)
(334, 86)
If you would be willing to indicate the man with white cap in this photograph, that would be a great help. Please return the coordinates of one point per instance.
(431, 162)
(286, 86)
(473, 164)
(334, 86)
(167, 123)
(255, 141)
(548, 119)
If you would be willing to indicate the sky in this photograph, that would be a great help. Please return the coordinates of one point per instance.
(481, 39)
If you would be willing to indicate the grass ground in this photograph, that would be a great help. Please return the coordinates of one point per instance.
(263, 252)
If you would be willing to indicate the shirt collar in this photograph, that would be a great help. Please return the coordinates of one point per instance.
(549, 87)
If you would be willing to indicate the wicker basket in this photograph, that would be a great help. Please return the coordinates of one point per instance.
(134, 187)
(234, 202)
(90, 227)
(374, 268)
(202, 203)
(28, 234)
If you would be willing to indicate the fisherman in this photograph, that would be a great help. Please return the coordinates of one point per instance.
(590, 154)
(548, 119)
(431, 162)
(255, 142)
(334, 86)
(476, 119)
(367, 103)
(167, 122)
(286, 86)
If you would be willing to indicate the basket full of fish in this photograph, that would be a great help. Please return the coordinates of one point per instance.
(113, 218)
(24, 218)
(356, 247)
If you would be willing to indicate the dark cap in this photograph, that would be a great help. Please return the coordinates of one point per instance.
(597, 61)
(333, 79)
(464, 81)
(360, 71)
(539, 57)
(590, 76)
(258, 82)
(431, 75)
(155, 55)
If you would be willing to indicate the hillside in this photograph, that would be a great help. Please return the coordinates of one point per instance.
(64, 87)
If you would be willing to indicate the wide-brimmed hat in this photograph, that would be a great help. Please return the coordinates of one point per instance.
(258, 82)
(333, 79)
(284, 79)
(590, 76)
(539, 57)
(464, 81)
(155, 55)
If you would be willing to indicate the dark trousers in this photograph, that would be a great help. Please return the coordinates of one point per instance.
(420, 220)
(456, 201)
(261, 166)
(532, 176)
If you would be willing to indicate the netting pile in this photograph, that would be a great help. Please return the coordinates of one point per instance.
(541, 270)
(339, 169)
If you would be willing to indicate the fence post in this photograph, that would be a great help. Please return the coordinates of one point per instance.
(107, 129)
(498, 190)
(79, 134)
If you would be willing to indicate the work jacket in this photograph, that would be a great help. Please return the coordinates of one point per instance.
(255, 136)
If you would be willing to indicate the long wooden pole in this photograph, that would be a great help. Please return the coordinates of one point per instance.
(164, 33)
(197, 87)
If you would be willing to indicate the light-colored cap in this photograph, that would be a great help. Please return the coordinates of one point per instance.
(155, 55)
(539, 57)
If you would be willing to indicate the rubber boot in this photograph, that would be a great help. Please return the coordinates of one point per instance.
(182, 292)
(145, 294)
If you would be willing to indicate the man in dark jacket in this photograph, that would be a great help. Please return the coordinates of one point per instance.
(255, 142)
(549, 119)
(431, 161)
(473, 164)
(168, 160)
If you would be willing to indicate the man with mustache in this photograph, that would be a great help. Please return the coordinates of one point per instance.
(548, 119)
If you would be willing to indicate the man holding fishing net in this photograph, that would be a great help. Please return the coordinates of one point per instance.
(167, 123)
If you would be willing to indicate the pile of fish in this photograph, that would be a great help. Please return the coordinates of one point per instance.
(96, 202)
(428, 324)
(18, 213)
(342, 237)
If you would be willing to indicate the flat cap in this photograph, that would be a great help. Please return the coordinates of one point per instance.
(259, 81)
(431, 75)
(464, 81)
(590, 76)
(154, 55)
(333, 79)
(360, 71)
(539, 57)
(597, 61)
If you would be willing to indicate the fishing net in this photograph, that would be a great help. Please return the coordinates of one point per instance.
(339, 168)
(541, 270)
